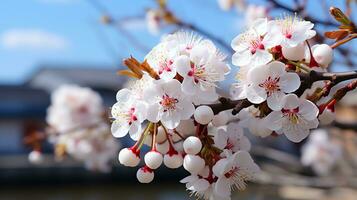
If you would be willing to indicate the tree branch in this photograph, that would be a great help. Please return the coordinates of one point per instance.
(307, 80)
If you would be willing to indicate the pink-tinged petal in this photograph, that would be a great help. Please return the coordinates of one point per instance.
(223, 187)
(119, 128)
(182, 65)
(256, 94)
(296, 134)
(274, 120)
(241, 59)
(275, 100)
(123, 95)
(290, 82)
(308, 110)
(153, 113)
(290, 101)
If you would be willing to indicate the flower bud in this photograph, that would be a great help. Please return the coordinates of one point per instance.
(153, 159)
(173, 161)
(323, 54)
(192, 145)
(35, 157)
(294, 53)
(129, 157)
(193, 163)
(326, 117)
(145, 175)
(203, 114)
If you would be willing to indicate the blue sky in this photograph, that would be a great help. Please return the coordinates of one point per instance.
(63, 33)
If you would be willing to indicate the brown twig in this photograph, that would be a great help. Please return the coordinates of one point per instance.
(343, 41)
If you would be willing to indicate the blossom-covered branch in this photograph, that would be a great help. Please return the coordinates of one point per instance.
(172, 104)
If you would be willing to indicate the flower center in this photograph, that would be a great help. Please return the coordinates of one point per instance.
(131, 116)
(232, 172)
(197, 72)
(165, 66)
(287, 25)
(255, 45)
(229, 145)
(271, 85)
(238, 177)
(203, 75)
(292, 114)
(168, 103)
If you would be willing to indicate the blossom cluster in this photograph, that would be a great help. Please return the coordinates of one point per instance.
(78, 127)
(170, 106)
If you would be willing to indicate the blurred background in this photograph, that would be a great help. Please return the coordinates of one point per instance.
(48, 43)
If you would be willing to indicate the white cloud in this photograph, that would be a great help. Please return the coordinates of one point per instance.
(32, 39)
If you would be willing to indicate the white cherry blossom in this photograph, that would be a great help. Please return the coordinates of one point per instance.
(166, 103)
(200, 186)
(321, 152)
(201, 70)
(161, 58)
(128, 113)
(290, 31)
(271, 82)
(252, 46)
(73, 107)
(249, 118)
(296, 118)
(234, 172)
(231, 138)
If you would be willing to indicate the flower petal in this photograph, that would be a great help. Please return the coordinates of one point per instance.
(241, 58)
(275, 100)
(182, 65)
(274, 120)
(290, 82)
(120, 128)
(308, 110)
(223, 187)
(256, 94)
